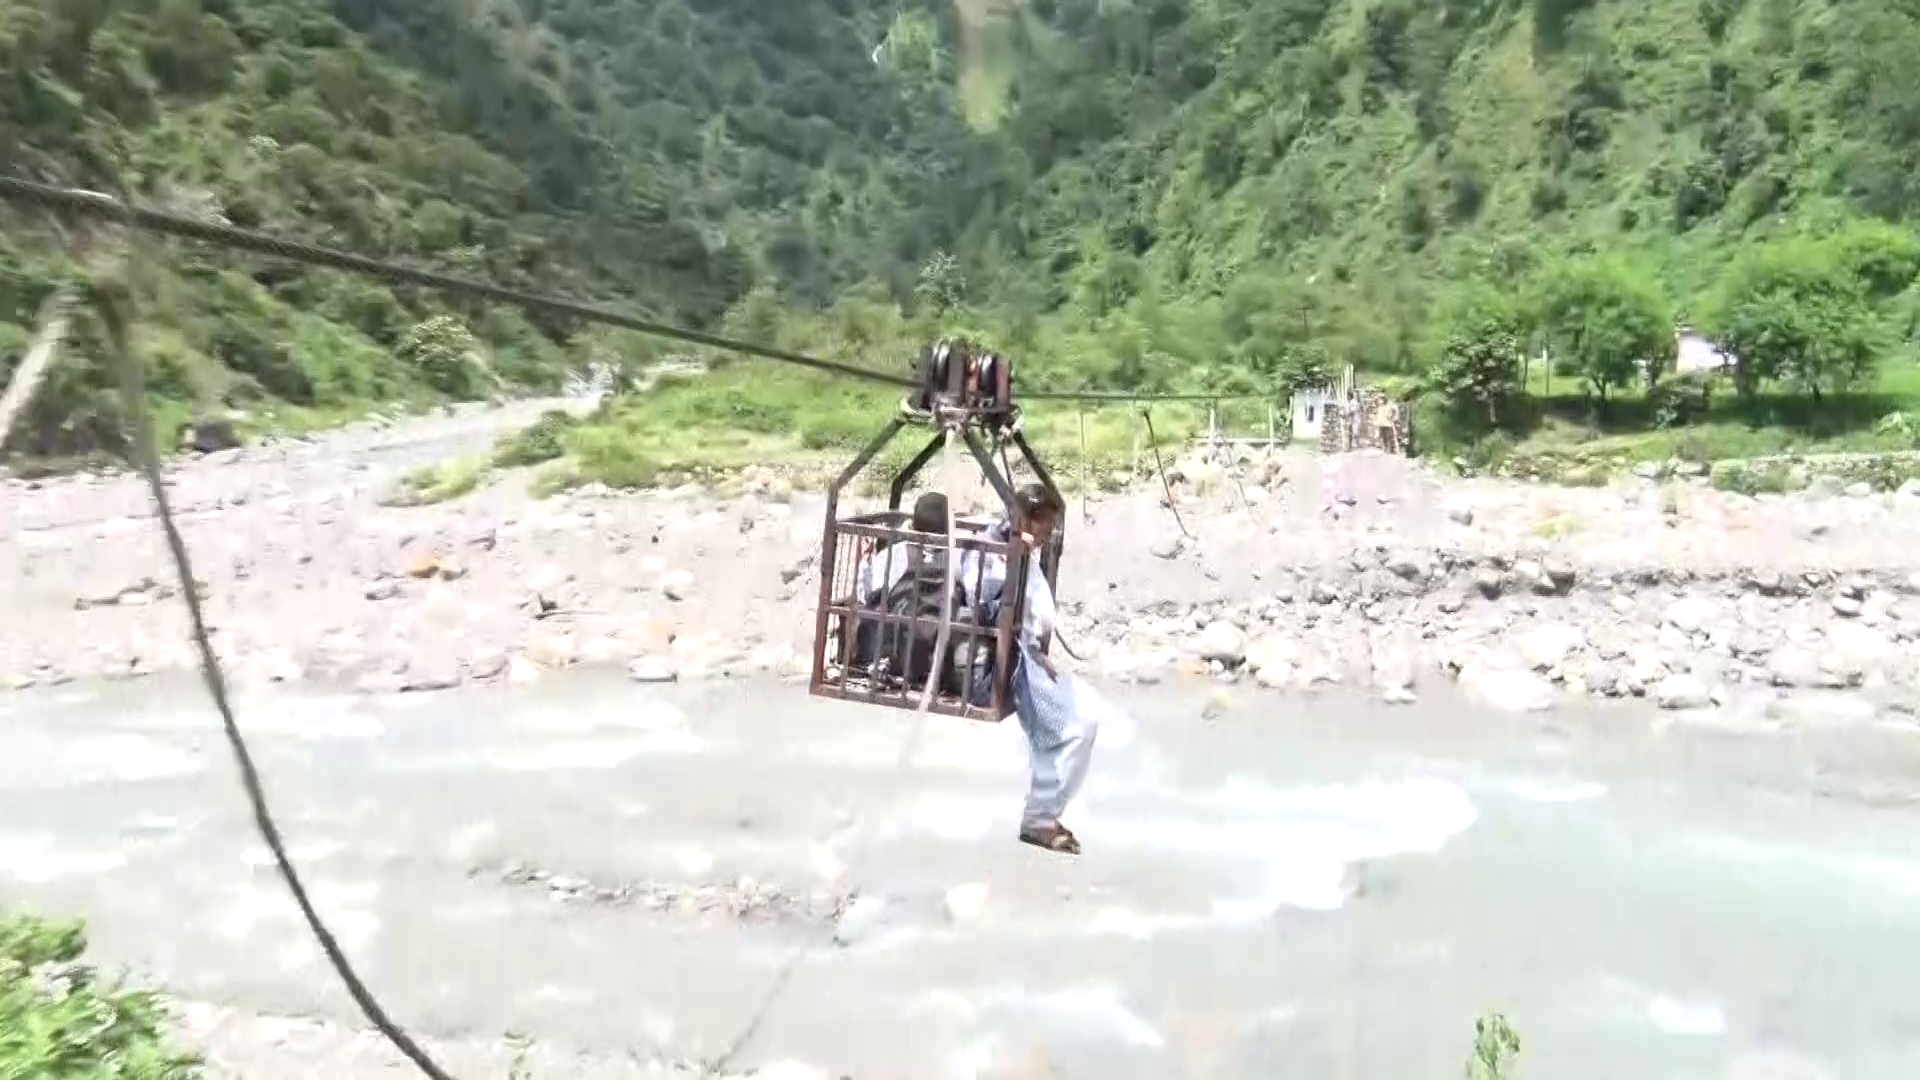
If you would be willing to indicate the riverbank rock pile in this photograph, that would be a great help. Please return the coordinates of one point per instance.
(1281, 570)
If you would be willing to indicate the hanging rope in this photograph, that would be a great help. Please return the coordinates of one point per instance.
(114, 305)
(113, 302)
(1230, 460)
(949, 477)
(1153, 443)
(783, 978)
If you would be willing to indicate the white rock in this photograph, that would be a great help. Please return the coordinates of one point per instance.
(605, 650)
(652, 669)
(279, 665)
(1508, 689)
(964, 903)
(552, 650)
(1222, 641)
(1273, 650)
(1276, 675)
(1547, 645)
(1682, 692)
(1858, 642)
(677, 585)
(1692, 613)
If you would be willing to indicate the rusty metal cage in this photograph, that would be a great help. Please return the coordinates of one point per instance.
(970, 395)
(870, 550)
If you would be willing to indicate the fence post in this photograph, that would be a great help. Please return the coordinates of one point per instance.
(1084, 494)
(40, 352)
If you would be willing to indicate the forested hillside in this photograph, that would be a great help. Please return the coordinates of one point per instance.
(654, 155)
(1235, 179)
(1130, 192)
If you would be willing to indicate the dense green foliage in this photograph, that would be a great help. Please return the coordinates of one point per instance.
(1151, 193)
(59, 1022)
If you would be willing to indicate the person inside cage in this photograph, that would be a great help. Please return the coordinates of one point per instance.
(903, 581)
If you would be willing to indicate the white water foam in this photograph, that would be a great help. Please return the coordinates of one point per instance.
(607, 753)
(302, 854)
(120, 758)
(1896, 875)
(347, 907)
(650, 716)
(1094, 1011)
(303, 716)
(1690, 1017)
(1556, 791)
(1295, 845)
(38, 859)
(1301, 839)
(1697, 1017)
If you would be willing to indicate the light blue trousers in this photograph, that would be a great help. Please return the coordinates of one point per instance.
(1060, 738)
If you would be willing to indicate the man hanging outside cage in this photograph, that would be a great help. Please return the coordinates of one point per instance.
(1058, 713)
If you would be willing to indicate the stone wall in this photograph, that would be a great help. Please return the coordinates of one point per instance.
(1349, 425)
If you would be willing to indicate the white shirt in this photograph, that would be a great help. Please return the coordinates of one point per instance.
(1037, 616)
(893, 564)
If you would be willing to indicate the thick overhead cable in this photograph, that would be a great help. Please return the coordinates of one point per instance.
(1122, 395)
(91, 203)
(96, 204)
(116, 316)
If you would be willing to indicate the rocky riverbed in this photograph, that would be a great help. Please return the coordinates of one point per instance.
(1304, 572)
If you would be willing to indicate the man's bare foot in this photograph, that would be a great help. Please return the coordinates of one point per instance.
(1053, 838)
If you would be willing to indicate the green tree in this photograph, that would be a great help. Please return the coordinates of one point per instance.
(1794, 311)
(1475, 370)
(942, 285)
(1608, 319)
(446, 355)
(1304, 366)
(1496, 1047)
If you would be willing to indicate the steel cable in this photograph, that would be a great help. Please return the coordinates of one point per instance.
(124, 211)
(114, 308)
(70, 200)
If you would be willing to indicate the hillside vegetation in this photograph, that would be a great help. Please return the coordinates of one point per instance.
(1148, 194)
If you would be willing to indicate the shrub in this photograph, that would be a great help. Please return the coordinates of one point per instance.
(57, 1020)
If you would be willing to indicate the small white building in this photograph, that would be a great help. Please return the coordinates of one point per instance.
(1696, 353)
(1309, 410)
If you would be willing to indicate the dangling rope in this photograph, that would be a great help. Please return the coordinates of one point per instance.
(947, 480)
(1224, 450)
(1153, 442)
(783, 978)
(114, 307)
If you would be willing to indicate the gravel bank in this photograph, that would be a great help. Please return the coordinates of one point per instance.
(1362, 570)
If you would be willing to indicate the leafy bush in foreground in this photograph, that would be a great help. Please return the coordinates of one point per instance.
(59, 1022)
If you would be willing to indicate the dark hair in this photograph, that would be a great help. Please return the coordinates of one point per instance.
(930, 513)
(1037, 500)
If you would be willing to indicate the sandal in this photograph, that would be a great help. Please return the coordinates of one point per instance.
(1055, 838)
